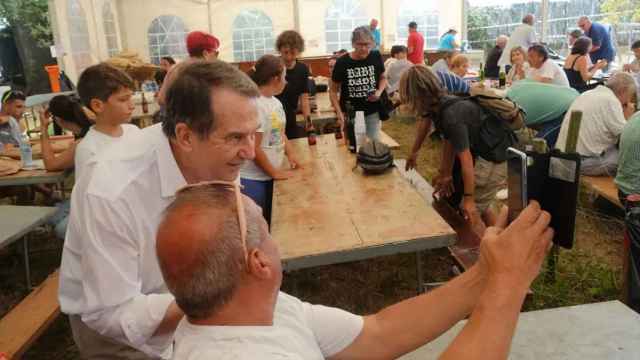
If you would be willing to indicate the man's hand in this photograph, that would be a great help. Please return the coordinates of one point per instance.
(340, 119)
(293, 163)
(411, 162)
(374, 96)
(601, 64)
(45, 119)
(443, 185)
(470, 210)
(514, 256)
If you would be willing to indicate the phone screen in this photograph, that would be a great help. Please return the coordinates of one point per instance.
(516, 185)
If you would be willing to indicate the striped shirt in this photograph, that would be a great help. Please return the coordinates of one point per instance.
(453, 83)
(627, 178)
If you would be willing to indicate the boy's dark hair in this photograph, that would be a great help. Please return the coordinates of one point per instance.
(291, 39)
(413, 25)
(635, 45)
(12, 95)
(540, 50)
(397, 49)
(267, 67)
(100, 82)
(69, 109)
(189, 97)
(169, 59)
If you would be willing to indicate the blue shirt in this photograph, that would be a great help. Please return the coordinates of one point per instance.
(453, 83)
(447, 42)
(601, 36)
(376, 37)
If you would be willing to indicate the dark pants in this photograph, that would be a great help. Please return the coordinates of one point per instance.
(261, 192)
(292, 129)
(549, 131)
(632, 222)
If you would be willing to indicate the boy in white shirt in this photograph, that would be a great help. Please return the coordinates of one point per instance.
(108, 92)
(543, 69)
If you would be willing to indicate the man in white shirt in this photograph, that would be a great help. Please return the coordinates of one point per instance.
(218, 259)
(110, 282)
(524, 35)
(605, 110)
(543, 69)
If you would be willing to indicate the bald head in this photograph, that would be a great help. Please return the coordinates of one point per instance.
(501, 41)
(529, 19)
(199, 247)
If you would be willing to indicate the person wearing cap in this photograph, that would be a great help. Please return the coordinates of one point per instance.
(200, 46)
(448, 40)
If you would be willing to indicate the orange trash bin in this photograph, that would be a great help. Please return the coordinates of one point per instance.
(54, 77)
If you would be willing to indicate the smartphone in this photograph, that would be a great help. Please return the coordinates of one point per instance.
(516, 182)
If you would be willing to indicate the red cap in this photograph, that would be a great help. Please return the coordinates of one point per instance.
(198, 41)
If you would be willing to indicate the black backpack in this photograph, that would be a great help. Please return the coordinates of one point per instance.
(374, 157)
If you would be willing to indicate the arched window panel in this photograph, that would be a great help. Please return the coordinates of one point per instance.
(424, 13)
(252, 35)
(342, 17)
(78, 35)
(110, 29)
(166, 37)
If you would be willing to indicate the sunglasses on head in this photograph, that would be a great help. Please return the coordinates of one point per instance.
(242, 219)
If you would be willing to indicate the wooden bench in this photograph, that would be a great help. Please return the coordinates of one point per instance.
(603, 186)
(30, 318)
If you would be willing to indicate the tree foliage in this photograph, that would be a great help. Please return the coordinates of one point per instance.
(29, 14)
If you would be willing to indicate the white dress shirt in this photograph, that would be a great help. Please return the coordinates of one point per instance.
(602, 122)
(95, 142)
(300, 331)
(110, 273)
(524, 35)
(549, 70)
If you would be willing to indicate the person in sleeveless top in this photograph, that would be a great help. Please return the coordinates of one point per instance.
(578, 66)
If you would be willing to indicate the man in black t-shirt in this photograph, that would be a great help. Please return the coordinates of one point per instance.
(359, 77)
(290, 45)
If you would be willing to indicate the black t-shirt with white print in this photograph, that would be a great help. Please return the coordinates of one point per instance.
(358, 79)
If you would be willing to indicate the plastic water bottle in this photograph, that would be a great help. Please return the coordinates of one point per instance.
(25, 151)
(360, 129)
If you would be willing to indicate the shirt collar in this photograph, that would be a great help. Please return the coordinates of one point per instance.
(171, 178)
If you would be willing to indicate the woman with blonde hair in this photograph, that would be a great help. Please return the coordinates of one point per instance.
(519, 65)
(470, 170)
(460, 65)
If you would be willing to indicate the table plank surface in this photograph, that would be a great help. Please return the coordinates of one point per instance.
(16, 221)
(33, 177)
(329, 212)
(607, 330)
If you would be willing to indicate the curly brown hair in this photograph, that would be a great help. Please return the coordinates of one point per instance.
(291, 39)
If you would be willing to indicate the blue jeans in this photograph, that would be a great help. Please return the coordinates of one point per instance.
(60, 219)
(261, 192)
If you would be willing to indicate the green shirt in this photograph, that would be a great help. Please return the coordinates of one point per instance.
(541, 102)
(628, 177)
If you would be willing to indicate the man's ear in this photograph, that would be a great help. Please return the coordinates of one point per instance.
(184, 137)
(96, 105)
(259, 265)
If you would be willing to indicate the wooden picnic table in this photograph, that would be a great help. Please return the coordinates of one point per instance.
(59, 144)
(34, 177)
(328, 212)
(607, 330)
(17, 221)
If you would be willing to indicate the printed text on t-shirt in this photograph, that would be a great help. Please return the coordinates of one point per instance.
(361, 81)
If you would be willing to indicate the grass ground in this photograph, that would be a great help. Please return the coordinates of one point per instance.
(591, 272)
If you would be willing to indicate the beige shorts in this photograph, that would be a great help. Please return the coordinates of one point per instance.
(489, 177)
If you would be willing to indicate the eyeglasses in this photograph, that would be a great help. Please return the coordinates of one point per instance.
(242, 219)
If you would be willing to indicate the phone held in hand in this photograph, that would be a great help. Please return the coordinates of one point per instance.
(516, 182)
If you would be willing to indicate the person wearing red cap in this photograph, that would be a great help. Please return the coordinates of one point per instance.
(200, 46)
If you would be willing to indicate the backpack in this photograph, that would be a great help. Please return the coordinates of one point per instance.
(500, 106)
(494, 136)
(374, 157)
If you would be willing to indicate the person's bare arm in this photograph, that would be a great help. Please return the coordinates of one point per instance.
(52, 162)
(469, 180)
(263, 162)
(170, 321)
(306, 108)
(493, 290)
(422, 130)
(335, 102)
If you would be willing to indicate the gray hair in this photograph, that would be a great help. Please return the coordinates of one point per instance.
(622, 83)
(362, 33)
(502, 38)
(189, 96)
(209, 281)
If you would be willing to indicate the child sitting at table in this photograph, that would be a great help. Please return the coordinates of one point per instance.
(10, 114)
(108, 93)
(271, 143)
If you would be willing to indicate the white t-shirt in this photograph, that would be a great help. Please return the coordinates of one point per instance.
(602, 122)
(95, 142)
(549, 70)
(272, 126)
(524, 35)
(300, 331)
(440, 65)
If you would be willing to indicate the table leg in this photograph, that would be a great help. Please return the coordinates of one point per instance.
(27, 268)
(419, 273)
